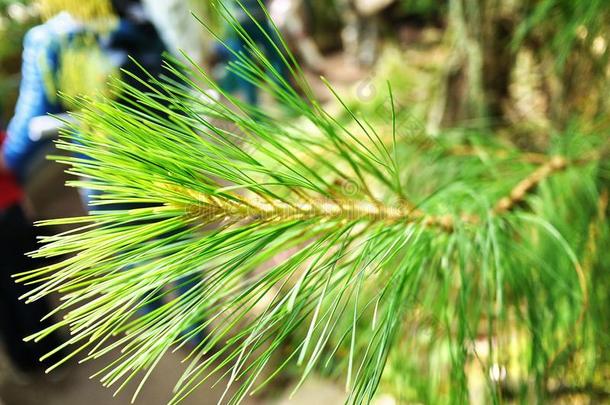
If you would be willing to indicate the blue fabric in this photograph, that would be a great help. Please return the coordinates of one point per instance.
(41, 54)
(233, 82)
(40, 59)
(138, 41)
(239, 45)
(253, 8)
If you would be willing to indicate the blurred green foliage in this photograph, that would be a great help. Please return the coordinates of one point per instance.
(16, 17)
(560, 24)
(423, 7)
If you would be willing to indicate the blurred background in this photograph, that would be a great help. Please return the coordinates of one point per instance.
(522, 70)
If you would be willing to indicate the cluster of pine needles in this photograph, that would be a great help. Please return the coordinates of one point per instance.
(316, 236)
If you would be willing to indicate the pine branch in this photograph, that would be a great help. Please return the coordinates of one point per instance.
(313, 236)
(527, 185)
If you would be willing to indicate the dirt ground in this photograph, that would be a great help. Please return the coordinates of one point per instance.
(75, 388)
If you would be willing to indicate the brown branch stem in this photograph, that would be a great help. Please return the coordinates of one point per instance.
(210, 208)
